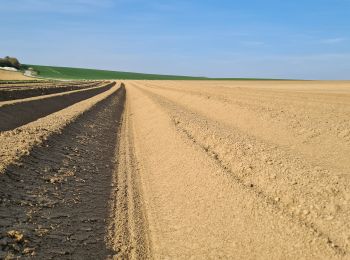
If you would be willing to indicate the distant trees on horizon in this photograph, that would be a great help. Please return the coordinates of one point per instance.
(10, 62)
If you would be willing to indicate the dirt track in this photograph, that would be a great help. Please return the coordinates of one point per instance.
(202, 169)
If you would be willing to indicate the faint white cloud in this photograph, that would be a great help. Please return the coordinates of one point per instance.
(54, 6)
(333, 40)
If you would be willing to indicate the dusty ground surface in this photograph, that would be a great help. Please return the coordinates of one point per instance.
(244, 170)
(12, 75)
(183, 169)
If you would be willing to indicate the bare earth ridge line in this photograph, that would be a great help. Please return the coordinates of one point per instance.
(127, 232)
(38, 131)
(20, 112)
(43, 97)
(15, 92)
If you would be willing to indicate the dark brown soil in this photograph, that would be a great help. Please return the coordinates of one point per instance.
(54, 204)
(20, 91)
(19, 113)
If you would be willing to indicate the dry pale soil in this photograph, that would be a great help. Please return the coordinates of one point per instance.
(177, 170)
(12, 75)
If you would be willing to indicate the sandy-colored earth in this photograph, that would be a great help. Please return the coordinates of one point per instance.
(182, 169)
(12, 75)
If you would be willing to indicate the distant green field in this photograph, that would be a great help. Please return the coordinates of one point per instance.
(78, 73)
(66, 73)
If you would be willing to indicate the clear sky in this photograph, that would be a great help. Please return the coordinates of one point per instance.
(305, 39)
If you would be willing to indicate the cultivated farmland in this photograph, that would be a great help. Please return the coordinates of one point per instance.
(54, 72)
(175, 169)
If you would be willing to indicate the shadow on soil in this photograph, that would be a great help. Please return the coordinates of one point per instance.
(54, 203)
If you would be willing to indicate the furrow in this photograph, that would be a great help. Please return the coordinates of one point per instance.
(21, 91)
(57, 196)
(18, 142)
(17, 113)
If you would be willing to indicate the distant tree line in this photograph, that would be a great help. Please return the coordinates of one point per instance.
(10, 62)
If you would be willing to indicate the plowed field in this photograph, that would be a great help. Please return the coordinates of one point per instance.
(177, 170)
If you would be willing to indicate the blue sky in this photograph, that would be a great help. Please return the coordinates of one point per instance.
(307, 39)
